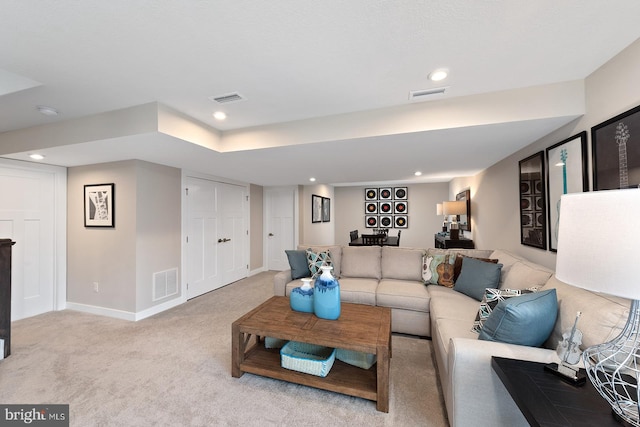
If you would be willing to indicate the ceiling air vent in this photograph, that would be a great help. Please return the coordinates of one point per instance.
(225, 99)
(418, 95)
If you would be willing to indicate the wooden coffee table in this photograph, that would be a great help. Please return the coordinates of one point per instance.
(360, 327)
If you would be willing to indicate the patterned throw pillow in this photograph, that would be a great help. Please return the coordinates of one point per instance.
(438, 269)
(317, 260)
(491, 298)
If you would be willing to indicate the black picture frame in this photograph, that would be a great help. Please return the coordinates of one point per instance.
(316, 208)
(99, 205)
(533, 215)
(567, 172)
(615, 152)
(326, 209)
(464, 221)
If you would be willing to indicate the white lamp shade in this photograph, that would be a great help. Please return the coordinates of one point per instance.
(439, 209)
(454, 208)
(599, 242)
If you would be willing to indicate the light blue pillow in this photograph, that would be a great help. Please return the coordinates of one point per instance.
(298, 263)
(476, 276)
(524, 320)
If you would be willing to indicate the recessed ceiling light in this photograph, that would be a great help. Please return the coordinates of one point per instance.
(312, 179)
(219, 115)
(417, 173)
(438, 75)
(36, 156)
(47, 111)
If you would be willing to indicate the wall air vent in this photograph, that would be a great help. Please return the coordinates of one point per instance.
(419, 95)
(165, 284)
(225, 99)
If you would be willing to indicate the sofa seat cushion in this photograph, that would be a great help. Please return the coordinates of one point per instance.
(358, 290)
(401, 263)
(403, 294)
(449, 304)
(361, 261)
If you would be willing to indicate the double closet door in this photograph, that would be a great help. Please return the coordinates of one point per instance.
(217, 235)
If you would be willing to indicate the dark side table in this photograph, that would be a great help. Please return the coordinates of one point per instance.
(446, 242)
(546, 400)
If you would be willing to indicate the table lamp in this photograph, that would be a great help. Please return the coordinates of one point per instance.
(456, 208)
(439, 212)
(592, 257)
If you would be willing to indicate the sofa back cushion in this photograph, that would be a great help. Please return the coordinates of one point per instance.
(335, 252)
(401, 263)
(525, 275)
(603, 316)
(361, 261)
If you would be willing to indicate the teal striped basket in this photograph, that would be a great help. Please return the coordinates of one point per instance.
(307, 358)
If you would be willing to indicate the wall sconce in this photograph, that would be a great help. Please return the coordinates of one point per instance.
(454, 208)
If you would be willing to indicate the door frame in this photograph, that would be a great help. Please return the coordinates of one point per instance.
(59, 175)
(266, 221)
(184, 225)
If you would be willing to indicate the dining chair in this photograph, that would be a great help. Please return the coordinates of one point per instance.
(353, 235)
(373, 239)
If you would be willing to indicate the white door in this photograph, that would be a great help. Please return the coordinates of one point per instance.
(280, 226)
(27, 217)
(202, 234)
(233, 236)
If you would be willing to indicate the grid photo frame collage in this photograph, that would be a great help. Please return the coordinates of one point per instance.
(386, 207)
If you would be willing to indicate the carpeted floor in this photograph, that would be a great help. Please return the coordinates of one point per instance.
(174, 369)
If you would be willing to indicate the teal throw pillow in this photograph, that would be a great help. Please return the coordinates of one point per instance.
(523, 320)
(298, 263)
(476, 276)
(316, 260)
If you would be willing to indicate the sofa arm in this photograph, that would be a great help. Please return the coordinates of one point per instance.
(280, 281)
(475, 395)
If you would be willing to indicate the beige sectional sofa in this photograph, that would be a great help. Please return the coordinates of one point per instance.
(474, 395)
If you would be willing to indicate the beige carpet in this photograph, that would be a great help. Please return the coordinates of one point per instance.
(174, 369)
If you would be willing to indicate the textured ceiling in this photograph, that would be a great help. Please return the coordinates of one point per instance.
(296, 60)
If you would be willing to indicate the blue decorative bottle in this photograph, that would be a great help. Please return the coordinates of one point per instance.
(326, 295)
(301, 298)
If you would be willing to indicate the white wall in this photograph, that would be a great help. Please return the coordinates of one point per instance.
(610, 90)
(423, 221)
(319, 233)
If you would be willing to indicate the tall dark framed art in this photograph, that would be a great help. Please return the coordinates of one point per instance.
(566, 173)
(326, 209)
(533, 224)
(316, 208)
(615, 151)
(99, 205)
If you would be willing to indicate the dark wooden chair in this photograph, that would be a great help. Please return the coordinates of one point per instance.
(397, 243)
(373, 239)
(353, 235)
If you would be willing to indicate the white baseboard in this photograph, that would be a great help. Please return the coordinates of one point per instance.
(125, 315)
(257, 271)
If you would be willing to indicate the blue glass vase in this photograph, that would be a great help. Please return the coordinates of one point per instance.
(301, 298)
(326, 295)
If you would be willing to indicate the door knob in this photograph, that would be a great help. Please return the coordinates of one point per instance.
(220, 240)
(270, 234)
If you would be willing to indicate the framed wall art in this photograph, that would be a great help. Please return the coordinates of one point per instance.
(615, 146)
(326, 209)
(386, 207)
(99, 205)
(316, 208)
(533, 224)
(465, 220)
(566, 173)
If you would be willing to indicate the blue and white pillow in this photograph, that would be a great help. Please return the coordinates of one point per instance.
(317, 260)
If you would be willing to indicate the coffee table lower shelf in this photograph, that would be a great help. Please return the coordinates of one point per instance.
(342, 378)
